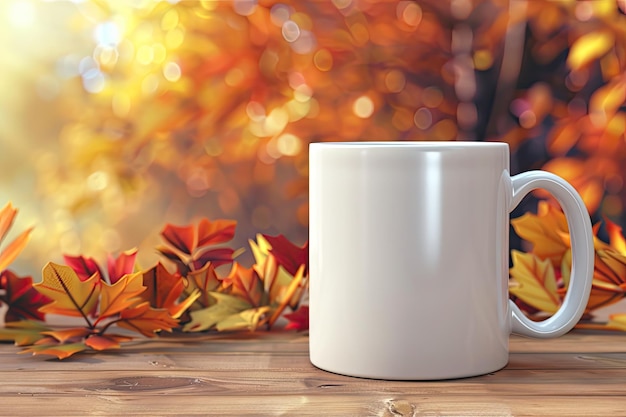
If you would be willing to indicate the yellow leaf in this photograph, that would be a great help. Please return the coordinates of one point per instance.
(70, 296)
(544, 230)
(7, 215)
(206, 318)
(14, 248)
(617, 321)
(616, 238)
(589, 47)
(260, 249)
(536, 282)
(121, 295)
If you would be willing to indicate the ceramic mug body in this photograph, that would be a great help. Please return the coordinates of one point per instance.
(409, 259)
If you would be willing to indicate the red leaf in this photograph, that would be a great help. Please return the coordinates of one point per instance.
(83, 266)
(218, 231)
(289, 255)
(217, 257)
(23, 300)
(183, 238)
(246, 284)
(164, 289)
(299, 319)
(122, 265)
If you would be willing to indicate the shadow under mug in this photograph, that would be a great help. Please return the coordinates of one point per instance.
(409, 258)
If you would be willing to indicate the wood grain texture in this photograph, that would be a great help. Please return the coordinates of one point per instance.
(580, 374)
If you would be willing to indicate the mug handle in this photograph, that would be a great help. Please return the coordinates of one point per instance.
(579, 225)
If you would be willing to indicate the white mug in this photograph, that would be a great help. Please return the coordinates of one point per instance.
(409, 258)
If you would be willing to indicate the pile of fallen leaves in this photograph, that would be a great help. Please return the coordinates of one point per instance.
(117, 304)
(539, 278)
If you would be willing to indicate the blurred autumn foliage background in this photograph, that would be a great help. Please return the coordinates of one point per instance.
(119, 116)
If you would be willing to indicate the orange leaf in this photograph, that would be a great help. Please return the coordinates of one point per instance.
(7, 215)
(106, 342)
(218, 231)
(64, 335)
(183, 238)
(288, 294)
(544, 231)
(246, 284)
(121, 295)
(49, 346)
(14, 248)
(164, 289)
(536, 282)
(70, 296)
(616, 238)
(204, 280)
(122, 265)
(146, 320)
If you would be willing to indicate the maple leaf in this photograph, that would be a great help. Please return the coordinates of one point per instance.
(217, 257)
(119, 296)
(204, 280)
(23, 333)
(215, 232)
(545, 231)
(146, 320)
(183, 238)
(164, 289)
(106, 342)
(84, 267)
(226, 305)
(299, 319)
(246, 284)
(50, 346)
(288, 255)
(122, 265)
(70, 296)
(13, 249)
(22, 299)
(534, 282)
(249, 319)
(116, 267)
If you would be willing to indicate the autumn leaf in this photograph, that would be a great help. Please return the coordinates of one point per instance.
(106, 342)
(120, 296)
(22, 299)
(534, 282)
(146, 320)
(617, 322)
(83, 266)
(70, 296)
(164, 289)
(50, 346)
(204, 281)
(299, 319)
(183, 238)
(545, 231)
(249, 319)
(122, 265)
(226, 305)
(246, 284)
(288, 255)
(13, 249)
(217, 257)
(616, 238)
(215, 232)
(23, 332)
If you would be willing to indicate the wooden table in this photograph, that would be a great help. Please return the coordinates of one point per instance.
(580, 374)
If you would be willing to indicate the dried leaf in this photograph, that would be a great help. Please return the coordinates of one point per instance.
(70, 296)
(22, 299)
(589, 47)
(14, 248)
(204, 281)
(226, 305)
(217, 257)
(215, 232)
(536, 282)
(122, 265)
(544, 230)
(299, 319)
(183, 238)
(65, 335)
(246, 284)
(249, 319)
(23, 333)
(121, 295)
(146, 320)
(288, 255)
(7, 216)
(49, 346)
(106, 342)
(83, 266)
(164, 289)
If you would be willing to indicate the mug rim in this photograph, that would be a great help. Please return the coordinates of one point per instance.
(409, 144)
